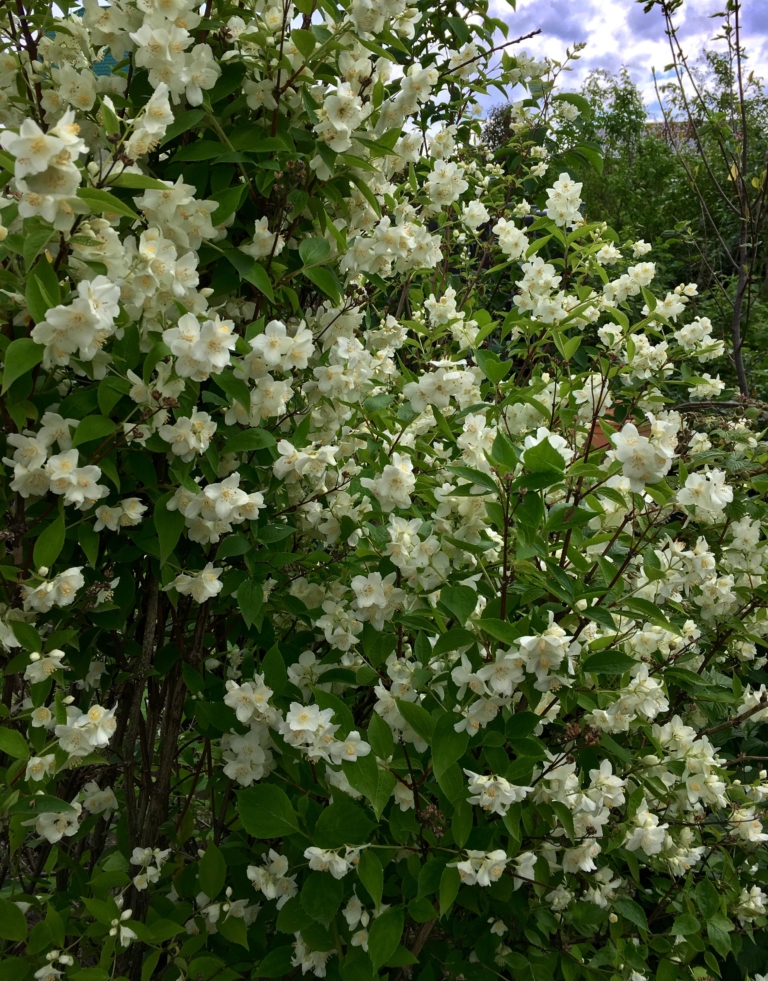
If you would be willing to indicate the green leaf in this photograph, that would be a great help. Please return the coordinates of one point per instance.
(233, 545)
(266, 812)
(305, 41)
(365, 776)
(212, 871)
(92, 974)
(608, 662)
(236, 388)
(450, 881)
(460, 601)
(632, 911)
(250, 599)
(384, 935)
(42, 804)
(380, 737)
(229, 200)
(13, 744)
(502, 451)
(15, 969)
(323, 279)
(163, 930)
(92, 428)
(249, 440)
(251, 271)
(169, 526)
(183, 122)
(233, 928)
(499, 629)
(21, 356)
(103, 202)
(321, 896)
(685, 925)
(494, 369)
(544, 458)
(276, 964)
(343, 823)
(483, 480)
(707, 898)
(149, 964)
(26, 635)
(314, 251)
(273, 667)
(452, 640)
(417, 718)
(371, 875)
(564, 816)
(13, 924)
(421, 910)
(521, 725)
(43, 291)
(448, 746)
(718, 931)
(34, 243)
(140, 182)
(461, 822)
(50, 543)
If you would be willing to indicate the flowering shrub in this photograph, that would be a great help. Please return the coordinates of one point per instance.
(383, 591)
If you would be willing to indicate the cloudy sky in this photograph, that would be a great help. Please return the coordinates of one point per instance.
(618, 33)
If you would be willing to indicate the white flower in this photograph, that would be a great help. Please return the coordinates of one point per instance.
(40, 767)
(351, 748)
(494, 794)
(41, 667)
(53, 826)
(326, 860)
(642, 462)
(648, 835)
(201, 586)
(481, 868)
(99, 801)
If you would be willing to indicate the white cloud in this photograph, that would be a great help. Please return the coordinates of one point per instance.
(618, 34)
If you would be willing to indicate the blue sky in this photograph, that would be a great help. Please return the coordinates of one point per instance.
(618, 33)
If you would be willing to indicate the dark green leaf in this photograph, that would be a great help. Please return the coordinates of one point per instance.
(266, 812)
(50, 543)
(450, 881)
(371, 875)
(460, 601)
(169, 526)
(212, 871)
(305, 41)
(321, 896)
(13, 744)
(632, 911)
(92, 428)
(685, 925)
(343, 823)
(608, 662)
(13, 925)
(417, 718)
(248, 440)
(21, 356)
(448, 746)
(543, 458)
(236, 388)
(314, 251)
(384, 935)
(250, 599)
(251, 271)
(102, 202)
